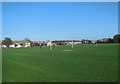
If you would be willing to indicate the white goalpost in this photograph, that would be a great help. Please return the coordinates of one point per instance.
(72, 44)
(50, 47)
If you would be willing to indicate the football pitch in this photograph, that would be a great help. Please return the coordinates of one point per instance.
(83, 63)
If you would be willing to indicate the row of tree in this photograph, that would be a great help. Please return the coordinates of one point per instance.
(8, 41)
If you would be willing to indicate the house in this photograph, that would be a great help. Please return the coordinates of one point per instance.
(49, 43)
(4, 46)
(36, 43)
(93, 41)
(12, 46)
(100, 41)
(43, 43)
(86, 41)
(107, 40)
(63, 42)
(77, 42)
(69, 42)
(23, 43)
(58, 42)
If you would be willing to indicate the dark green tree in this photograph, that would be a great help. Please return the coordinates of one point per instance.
(36, 44)
(116, 38)
(7, 41)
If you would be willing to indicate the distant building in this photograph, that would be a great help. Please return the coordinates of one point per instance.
(108, 40)
(63, 42)
(105, 40)
(49, 43)
(23, 43)
(12, 46)
(76, 42)
(86, 41)
(93, 41)
(4, 46)
(36, 43)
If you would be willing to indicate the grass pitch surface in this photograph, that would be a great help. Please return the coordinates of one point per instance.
(83, 63)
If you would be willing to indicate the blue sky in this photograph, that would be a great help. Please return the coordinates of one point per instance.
(57, 20)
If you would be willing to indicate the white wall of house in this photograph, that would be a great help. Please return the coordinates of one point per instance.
(93, 41)
(12, 46)
(77, 42)
(27, 45)
(49, 44)
(18, 46)
(4, 46)
(17, 43)
(69, 43)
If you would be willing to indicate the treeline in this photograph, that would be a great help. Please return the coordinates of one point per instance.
(115, 39)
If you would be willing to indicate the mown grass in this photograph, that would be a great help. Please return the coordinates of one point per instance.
(85, 63)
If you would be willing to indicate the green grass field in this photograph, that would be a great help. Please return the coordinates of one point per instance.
(83, 63)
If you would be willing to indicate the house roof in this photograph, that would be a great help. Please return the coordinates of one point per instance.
(22, 41)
